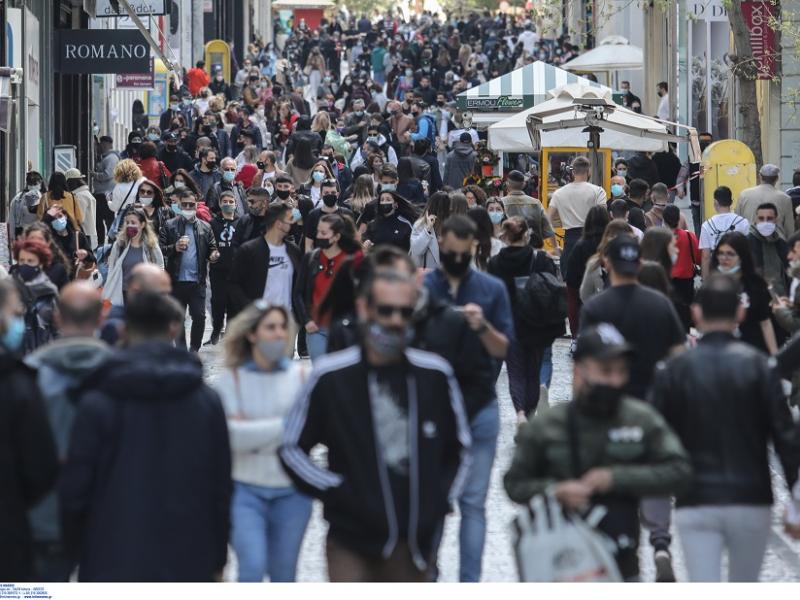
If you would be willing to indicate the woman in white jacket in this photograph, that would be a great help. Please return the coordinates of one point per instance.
(128, 177)
(268, 515)
(136, 243)
(425, 232)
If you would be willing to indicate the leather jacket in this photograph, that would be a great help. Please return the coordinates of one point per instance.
(204, 240)
(724, 400)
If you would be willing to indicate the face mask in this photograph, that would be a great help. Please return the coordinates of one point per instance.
(211, 164)
(600, 401)
(273, 351)
(385, 209)
(228, 176)
(622, 172)
(14, 334)
(173, 107)
(496, 217)
(729, 271)
(359, 113)
(317, 176)
(282, 194)
(179, 185)
(27, 272)
(153, 137)
(389, 342)
(617, 190)
(373, 139)
(409, 73)
(228, 209)
(189, 215)
(322, 244)
(296, 215)
(330, 200)
(451, 264)
(60, 224)
(766, 229)
(176, 208)
(388, 187)
(145, 201)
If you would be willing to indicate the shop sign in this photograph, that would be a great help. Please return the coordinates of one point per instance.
(100, 51)
(759, 16)
(499, 103)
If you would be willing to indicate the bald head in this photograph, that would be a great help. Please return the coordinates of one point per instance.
(79, 310)
(150, 278)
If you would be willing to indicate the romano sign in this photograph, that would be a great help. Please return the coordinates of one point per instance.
(101, 51)
(498, 103)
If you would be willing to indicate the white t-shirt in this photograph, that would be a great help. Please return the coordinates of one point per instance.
(574, 200)
(316, 196)
(718, 225)
(279, 277)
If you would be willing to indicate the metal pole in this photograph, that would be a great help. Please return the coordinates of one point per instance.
(23, 101)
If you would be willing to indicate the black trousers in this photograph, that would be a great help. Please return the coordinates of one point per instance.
(219, 298)
(193, 295)
(697, 218)
(571, 237)
(524, 364)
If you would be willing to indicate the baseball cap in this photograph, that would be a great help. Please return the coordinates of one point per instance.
(171, 137)
(465, 138)
(516, 176)
(73, 174)
(135, 139)
(769, 170)
(601, 341)
(623, 252)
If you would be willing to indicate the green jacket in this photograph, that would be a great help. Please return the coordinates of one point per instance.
(644, 455)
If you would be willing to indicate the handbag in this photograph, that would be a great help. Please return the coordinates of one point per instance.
(552, 544)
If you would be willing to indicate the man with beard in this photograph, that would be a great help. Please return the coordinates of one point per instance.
(385, 510)
(603, 448)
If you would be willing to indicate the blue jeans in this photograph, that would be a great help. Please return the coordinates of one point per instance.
(472, 503)
(379, 77)
(546, 372)
(268, 525)
(317, 343)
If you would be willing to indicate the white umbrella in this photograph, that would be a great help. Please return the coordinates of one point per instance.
(615, 55)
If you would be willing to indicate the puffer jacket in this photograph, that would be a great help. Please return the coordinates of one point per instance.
(725, 402)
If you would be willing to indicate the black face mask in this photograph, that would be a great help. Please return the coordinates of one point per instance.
(452, 265)
(27, 272)
(385, 209)
(211, 164)
(330, 200)
(282, 194)
(599, 401)
(322, 244)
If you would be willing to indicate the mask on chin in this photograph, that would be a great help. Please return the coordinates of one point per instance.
(389, 342)
(599, 401)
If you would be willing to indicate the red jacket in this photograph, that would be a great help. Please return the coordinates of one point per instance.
(246, 175)
(153, 168)
(688, 254)
(197, 79)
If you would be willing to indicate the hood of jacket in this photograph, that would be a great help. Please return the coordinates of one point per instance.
(150, 372)
(516, 257)
(76, 356)
(463, 150)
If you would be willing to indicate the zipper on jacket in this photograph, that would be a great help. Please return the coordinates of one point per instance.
(383, 475)
(413, 476)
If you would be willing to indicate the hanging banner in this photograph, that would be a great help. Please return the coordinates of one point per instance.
(759, 16)
(100, 51)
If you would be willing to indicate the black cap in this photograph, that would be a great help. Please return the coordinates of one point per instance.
(623, 252)
(516, 176)
(465, 138)
(171, 137)
(601, 342)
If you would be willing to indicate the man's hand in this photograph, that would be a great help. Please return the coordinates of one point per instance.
(311, 327)
(599, 480)
(81, 254)
(214, 256)
(473, 313)
(681, 192)
(573, 494)
(782, 302)
(54, 211)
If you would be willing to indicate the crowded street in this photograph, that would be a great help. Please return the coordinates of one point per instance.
(302, 291)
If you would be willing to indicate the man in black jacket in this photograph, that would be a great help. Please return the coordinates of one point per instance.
(267, 259)
(726, 404)
(227, 184)
(28, 458)
(394, 424)
(251, 225)
(173, 156)
(224, 227)
(188, 245)
(146, 488)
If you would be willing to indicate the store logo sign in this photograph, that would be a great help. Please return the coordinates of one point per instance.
(101, 51)
(501, 102)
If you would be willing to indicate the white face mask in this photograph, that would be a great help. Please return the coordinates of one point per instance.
(765, 228)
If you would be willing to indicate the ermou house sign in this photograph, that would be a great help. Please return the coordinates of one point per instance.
(101, 51)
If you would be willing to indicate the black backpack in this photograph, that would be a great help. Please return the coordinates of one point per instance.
(541, 297)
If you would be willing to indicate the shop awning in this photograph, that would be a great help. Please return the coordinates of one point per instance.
(516, 91)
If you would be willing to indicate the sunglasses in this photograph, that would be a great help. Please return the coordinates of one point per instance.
(387, 310)
(188, 205)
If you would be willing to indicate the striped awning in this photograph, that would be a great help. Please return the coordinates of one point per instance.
(518, 90)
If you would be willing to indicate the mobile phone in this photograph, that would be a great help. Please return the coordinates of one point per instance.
(773, 294)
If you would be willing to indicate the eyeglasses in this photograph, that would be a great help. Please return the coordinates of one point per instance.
(387, 310)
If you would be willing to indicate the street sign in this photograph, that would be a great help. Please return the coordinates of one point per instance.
(134, 81)
(64, 157)
(103, 8)
(100, 51)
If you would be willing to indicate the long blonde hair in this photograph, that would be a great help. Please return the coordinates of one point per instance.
(321, 122)
(363, 192)
(149, 238)
(127, 171)
(239, 349)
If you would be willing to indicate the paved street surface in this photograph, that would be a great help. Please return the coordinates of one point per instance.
(783, 556)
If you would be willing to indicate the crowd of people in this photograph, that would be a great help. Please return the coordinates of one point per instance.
(329, 213)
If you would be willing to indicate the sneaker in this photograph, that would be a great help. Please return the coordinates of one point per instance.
(664, 572)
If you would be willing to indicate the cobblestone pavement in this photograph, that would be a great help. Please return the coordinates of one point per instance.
(782, 562)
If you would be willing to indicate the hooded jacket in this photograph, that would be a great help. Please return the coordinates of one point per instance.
(39, 298)
(28, 464)
(61, 369)
(145, 491)
(459, 165)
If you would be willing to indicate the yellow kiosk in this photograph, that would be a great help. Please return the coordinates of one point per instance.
(730, 163)
(553, 163)
(218, 56)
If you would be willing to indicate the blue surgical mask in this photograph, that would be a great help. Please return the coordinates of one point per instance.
(14, 334)
(60, 224)
(388, 187)
(153, 137)
(732, 271)
(617, 190)
(318, 177)
(622, 172)
(176, 208)
(496, 217)
(228, 176)
(296, 215)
